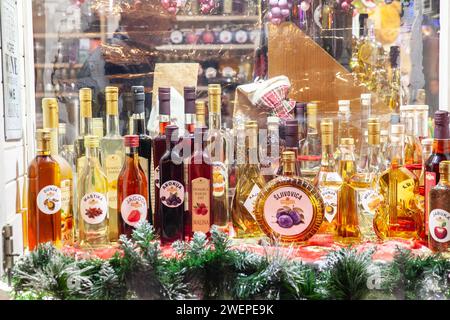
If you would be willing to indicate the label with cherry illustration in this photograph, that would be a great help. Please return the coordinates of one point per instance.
(288, 211)
(438, 223)
(49, 199)
(94, 207)
(171, 194)
(134, 209)
(201, 206)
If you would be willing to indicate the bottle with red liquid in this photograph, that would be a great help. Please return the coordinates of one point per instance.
(171, 191)
(132, 189)
(441, 152)
(159, 148)
(200, 187)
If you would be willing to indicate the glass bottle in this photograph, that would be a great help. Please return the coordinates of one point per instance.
(328, 180)
(200, 173)
(343, 119)
(171, 191)
(366, 110)
(44, 195)
(217, 145)
(93, 199)
(159, 149)
(394, 98)
(145, 142)
(51, 122)
(66, 150)
(347, 223)
(400, 217)
(249, 184)
(112, 156)
(132, 189)
(441, 152)
(421, 130)
(85, 96)
(300, 115)
(200, 114)
(291, 144)
(427, 150)
(413, 150)
(439, 215)
(311, 151)
(270, 151)
(289, 208)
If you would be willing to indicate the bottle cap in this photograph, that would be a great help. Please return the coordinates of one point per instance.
(62, 128)
(138, 93)
(397, 129)
(326, 126)
(300, 108)
(441, 118)
(189, 100)
(91, 141)
(347, 141)
(164, 93)
(344, 106)
(111, 93)
(444, 167)
(164, 100)
(215, 98)
(291, 127)
(200, 107)
(373, 131)
(171, 131)
(214, 89)
(131, 141)
(85, 94)
(311, 108)
(273, 120)
(427, 142)
(288, 156)
(50, 113)
(43, 137)
(251, 124)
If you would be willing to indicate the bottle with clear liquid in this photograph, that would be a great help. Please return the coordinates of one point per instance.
(93, 199)
(412, 144)
(400, 217)
(112, 155)
(328, 180)
(311, 150)
(86, 128)
(347, 222)
(366, 110)
(249, 184)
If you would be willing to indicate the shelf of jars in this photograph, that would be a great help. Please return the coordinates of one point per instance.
(217, 18)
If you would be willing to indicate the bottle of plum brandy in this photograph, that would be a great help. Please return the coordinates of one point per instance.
(132, 189)
(289, 208)
(249, 184)
(93, 199)
(400, 217)
(44, 195)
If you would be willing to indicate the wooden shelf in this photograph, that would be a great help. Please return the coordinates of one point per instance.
(218, 18)
(57, 65)
(212, 47)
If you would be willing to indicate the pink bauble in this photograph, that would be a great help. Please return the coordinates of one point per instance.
(345, 6)
(285, 13)
(165, 4)
(276, 12)
(283, 4)
(276, 20)
(273, 3)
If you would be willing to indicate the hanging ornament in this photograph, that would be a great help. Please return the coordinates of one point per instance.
(207, 6)
(280, 10)
(173, 6)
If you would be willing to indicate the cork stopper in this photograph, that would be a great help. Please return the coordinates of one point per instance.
(50, 113)
(214, 97)
(112, 97)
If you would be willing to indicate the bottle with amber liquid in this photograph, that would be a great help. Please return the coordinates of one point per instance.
(145, 142)
(44, 195)
(51, 122)
(200, 175)
(347, 223)
(159, 149)
(249, 184)
(93, 199)
(439, 215)
(400, 217)
(132, 189)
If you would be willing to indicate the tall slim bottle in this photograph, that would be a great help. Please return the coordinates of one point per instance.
(51, 122)
(44, 195)
(171, 191)
(200, 173)
(145, 142)
(132, 189)
(86, 127)
(300, 116)
(270, 150)
(159, 149)
(311, 150)
(200, 114)
(93, 199)
(366, 111)
(217, 144)
(112, 156)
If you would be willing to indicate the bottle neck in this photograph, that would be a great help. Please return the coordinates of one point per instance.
(133, 153)
(444, 179)
(312, 123)
(112, 124)
(251, 157)
(92, 154)
(189, 121)
(138, 123)
(397, 151)
(215, 121)
(328, 160)
(86, 127)
(61, 140)
(288, 168)
(54, 141)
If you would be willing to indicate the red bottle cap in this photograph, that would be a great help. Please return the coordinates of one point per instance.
(131, 141)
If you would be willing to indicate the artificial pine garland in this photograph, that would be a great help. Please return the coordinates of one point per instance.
(211, 269)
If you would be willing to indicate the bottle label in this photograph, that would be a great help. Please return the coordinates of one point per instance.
(134, 209)
(171, 194)
(430, 182)
(439, 223)
(201, 206)
(66, 210)
(241, 36)
(219, 179)
(225, 36)
(370, 201)
(329, 197)
(49, 199)
(288, 211)
(176, 37)
(94, 207)
(157, 177)
(113, 165)
(249, 203)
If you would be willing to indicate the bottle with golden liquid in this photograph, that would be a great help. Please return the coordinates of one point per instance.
(112, 156)
(44, 195)
(289, 208)
(328, 180)
(249, 184)
(51, 122)
(347, 223)
(400, 217)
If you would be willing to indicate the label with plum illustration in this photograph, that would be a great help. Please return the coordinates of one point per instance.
(49, 199)
(288, 211)
(219, 179)
(171, 194)
(201, 206)
(329, 197)
(94, 207)
(113, 165)
(439, 222)
(134, 209)
(249, 203)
